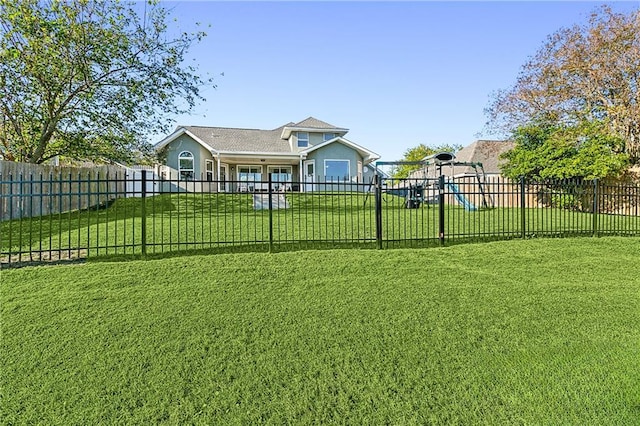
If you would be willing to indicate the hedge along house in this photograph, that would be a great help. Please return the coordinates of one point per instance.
(294, 156)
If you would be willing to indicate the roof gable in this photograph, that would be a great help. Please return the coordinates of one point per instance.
(179, 132)
(367, 155)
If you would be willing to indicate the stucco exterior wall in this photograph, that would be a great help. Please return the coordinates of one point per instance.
(315, 138)
(185, 143)
(335, 151)
(368, 174)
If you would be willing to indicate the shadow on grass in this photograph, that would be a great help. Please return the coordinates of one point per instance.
(297, 246)
(25, 263)
(244, 248)
(44, 227)
(173, 206)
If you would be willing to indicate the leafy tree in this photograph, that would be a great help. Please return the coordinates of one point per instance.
(552, 151)
(582, 74)
(89, 79)
(418, 153)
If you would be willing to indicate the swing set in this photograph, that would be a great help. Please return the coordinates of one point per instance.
(423, 188)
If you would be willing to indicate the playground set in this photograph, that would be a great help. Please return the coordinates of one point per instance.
(423, 187)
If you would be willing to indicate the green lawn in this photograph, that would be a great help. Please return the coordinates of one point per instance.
(206, 221)
(543, 331)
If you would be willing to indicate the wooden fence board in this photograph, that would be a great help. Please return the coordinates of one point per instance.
(30, 190)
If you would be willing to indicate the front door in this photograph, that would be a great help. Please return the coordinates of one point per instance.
(309, 174)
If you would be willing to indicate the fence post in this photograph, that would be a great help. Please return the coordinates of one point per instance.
(2, 208)
(143, 230)
(378, 206)
(21, 210)
(10, 218)
(270, 195)
(596, 206)
(441, 209)
(523, 207)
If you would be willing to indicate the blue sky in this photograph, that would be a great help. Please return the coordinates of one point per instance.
(396, 74)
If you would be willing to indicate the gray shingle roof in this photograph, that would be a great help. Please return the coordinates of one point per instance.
(228, 139)
(486, 152)
(241, 140)
(313, 123)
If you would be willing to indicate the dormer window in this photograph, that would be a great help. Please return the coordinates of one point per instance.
(328, 136)
(303, 139)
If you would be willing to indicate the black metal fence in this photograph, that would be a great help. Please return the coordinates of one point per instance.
(143, 215)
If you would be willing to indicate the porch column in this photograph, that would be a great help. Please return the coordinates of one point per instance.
(218, 171)
(301, 173)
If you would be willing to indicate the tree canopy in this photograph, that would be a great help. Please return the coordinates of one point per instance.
(552, 151)
(89, 79)
(583, 74)
(418, 153)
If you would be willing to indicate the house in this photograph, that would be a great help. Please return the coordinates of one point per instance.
(482, 156)
(468, 174)
(294, 156)
(484, 152)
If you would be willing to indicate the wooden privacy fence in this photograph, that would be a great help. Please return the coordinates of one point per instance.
(614, 197)
(30, 190)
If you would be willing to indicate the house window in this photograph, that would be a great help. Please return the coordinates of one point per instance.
(328, 136)
(280, 173)
(280, 177)
(250, 173)
(250, 178)
(185, 165)
(303, 139)
(208, 168)
(337, 170)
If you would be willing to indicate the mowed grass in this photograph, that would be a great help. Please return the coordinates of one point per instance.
(213, 221)
(525, 332)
